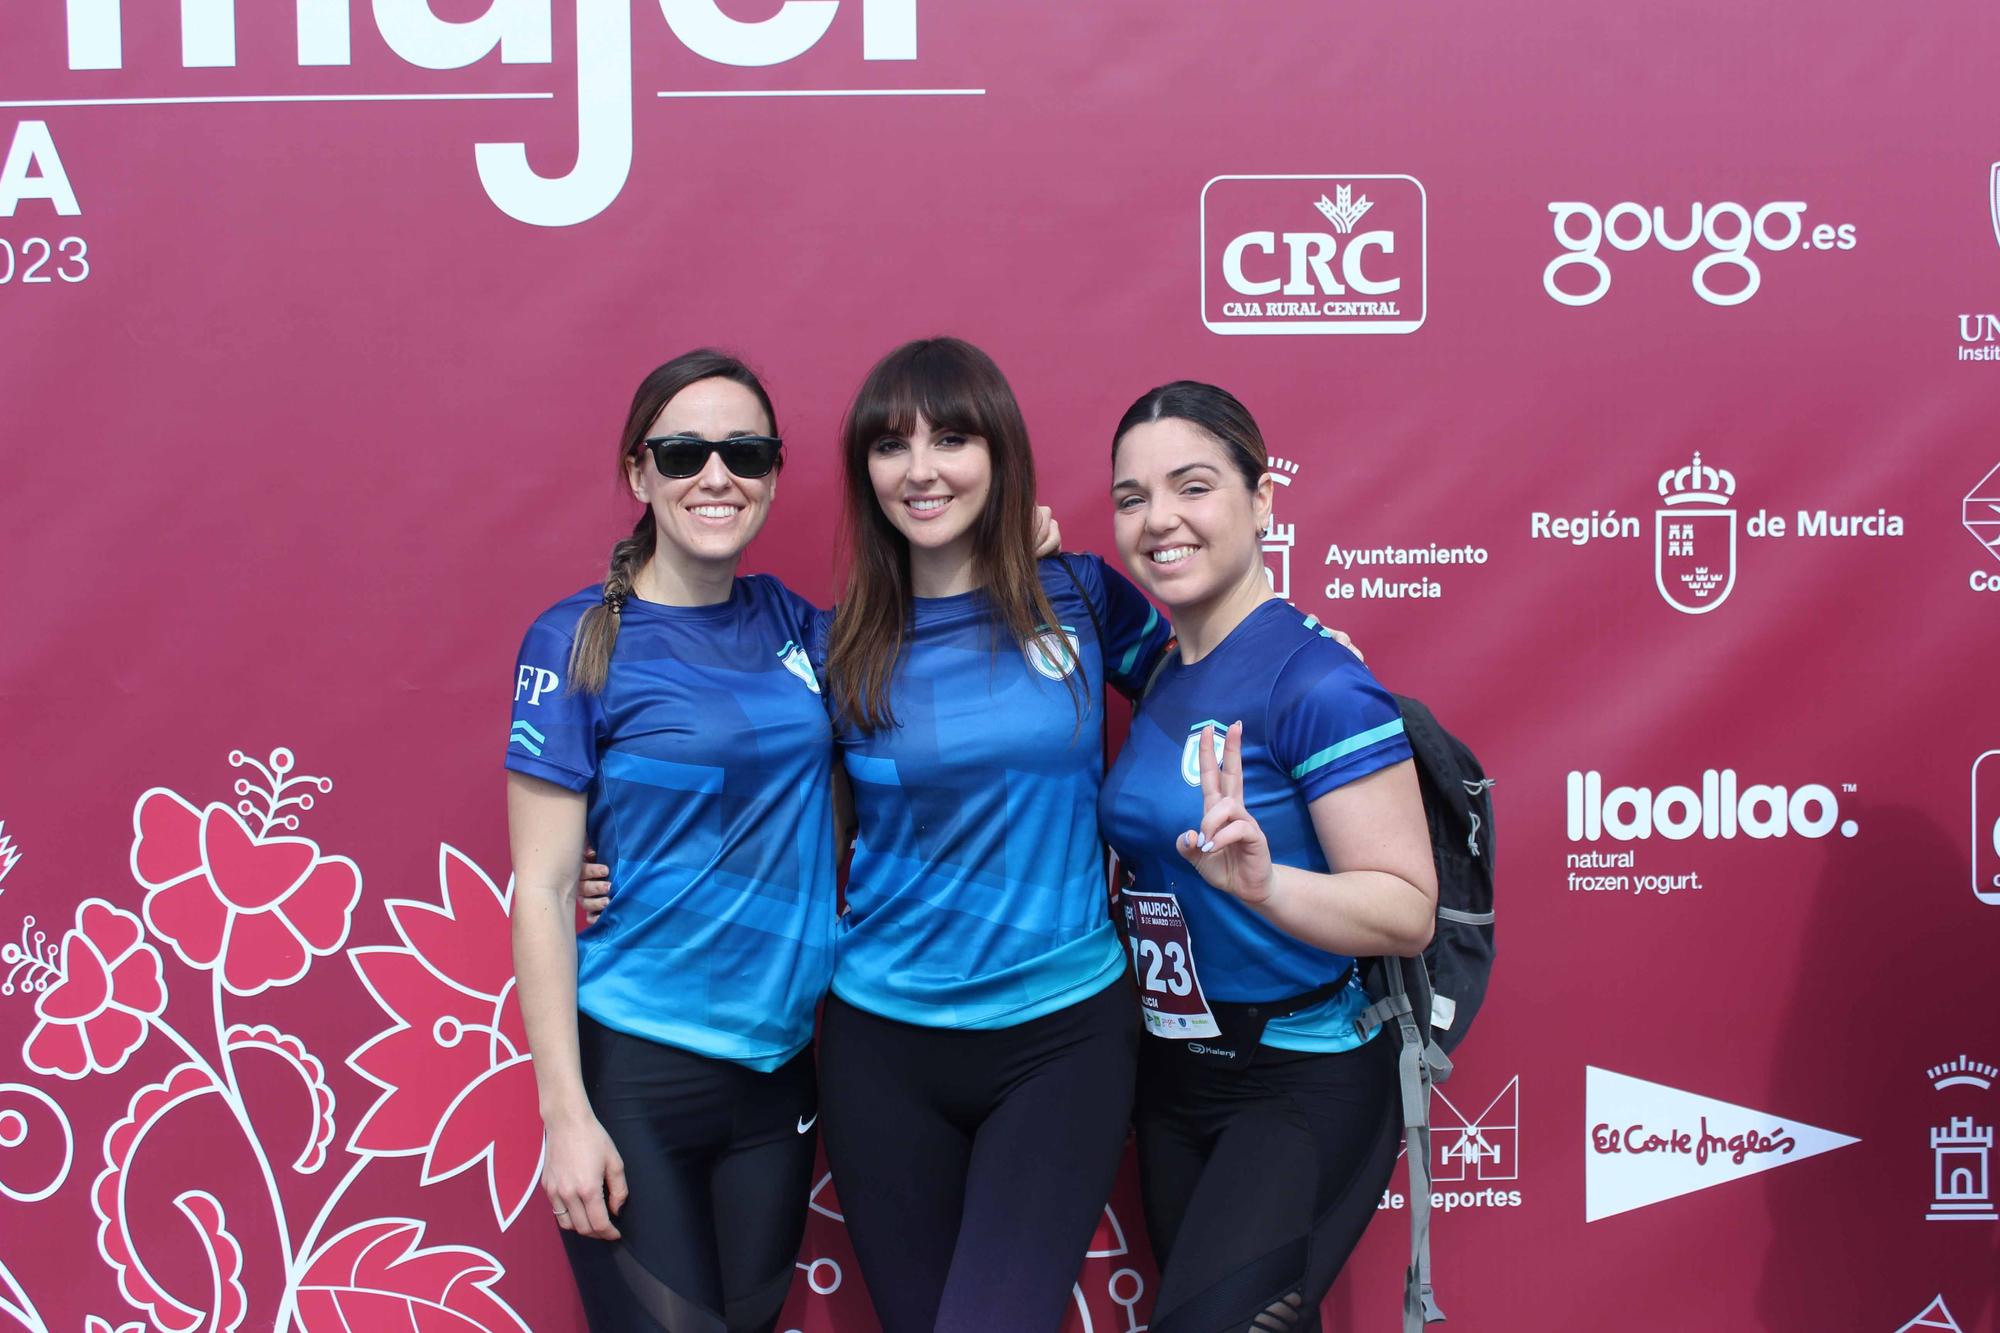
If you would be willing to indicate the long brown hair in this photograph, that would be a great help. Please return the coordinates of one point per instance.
(954, 386)
(597, 631)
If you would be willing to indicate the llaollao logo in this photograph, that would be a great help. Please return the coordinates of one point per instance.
(1721, 806)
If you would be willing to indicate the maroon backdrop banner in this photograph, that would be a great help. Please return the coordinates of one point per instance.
(1629, 373)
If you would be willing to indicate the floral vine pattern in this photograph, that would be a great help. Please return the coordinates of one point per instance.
(233, 891)
(237, 903)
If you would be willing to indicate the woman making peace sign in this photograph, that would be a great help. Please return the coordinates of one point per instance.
(1267, 1125)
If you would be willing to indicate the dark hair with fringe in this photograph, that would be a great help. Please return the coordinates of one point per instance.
(954, 386)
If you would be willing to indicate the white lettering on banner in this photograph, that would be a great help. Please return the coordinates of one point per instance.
(1729, 245)
(34, 170)
(1719, 810)
(1695, 532)
(522, 32)
(604, 131)
(1646, 1142)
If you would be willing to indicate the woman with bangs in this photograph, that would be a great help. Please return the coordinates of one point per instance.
(977, 1052)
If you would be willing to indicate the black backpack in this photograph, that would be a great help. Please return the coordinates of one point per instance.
(1447, 985)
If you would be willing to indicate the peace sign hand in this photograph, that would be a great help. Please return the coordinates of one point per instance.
(1229, 848)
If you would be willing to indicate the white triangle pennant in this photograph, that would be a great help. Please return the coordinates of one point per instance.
(1645, 1142)
(1935, 1315)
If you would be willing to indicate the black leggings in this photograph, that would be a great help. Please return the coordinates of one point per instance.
(1258, 1182)
(718, 1164)
(972, 1165)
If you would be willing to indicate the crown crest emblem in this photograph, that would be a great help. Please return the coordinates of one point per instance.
(1963, 1071)
(1342, 210)
(1697, 483)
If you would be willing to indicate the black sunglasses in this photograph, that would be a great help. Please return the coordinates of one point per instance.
(686, 455)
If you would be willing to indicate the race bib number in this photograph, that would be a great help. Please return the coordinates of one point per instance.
(1163, 961)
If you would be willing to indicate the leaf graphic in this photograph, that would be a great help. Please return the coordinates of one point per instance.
(373, 1276)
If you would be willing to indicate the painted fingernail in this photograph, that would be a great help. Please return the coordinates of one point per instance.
(1207, 846)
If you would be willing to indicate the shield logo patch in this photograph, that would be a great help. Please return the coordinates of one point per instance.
(1694, 557)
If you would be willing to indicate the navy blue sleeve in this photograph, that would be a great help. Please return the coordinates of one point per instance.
(1331, 722)
(554, 732)
(1135, 633)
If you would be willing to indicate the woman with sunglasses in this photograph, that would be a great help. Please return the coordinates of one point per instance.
(977, 1052)
(1267, 808)
(670, 717)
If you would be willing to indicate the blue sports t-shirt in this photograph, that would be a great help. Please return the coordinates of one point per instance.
(707, 761)
(1313, 719)
(976, 898)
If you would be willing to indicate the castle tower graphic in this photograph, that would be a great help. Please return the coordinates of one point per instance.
(1279, 538)
(1963, 1188)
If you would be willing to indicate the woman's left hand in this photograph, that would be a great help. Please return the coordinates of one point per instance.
(1048, 533)
(1229, 848)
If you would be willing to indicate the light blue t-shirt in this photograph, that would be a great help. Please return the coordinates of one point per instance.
(1313, 719)
(706, 761)
(977, 895)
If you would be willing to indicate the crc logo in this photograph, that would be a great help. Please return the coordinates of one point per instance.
(1721, 808)
(1313, 254)
(1986, 828)
(1728, 230)
(1981, 517)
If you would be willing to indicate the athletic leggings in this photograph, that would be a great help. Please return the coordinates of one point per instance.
(1258, 1182)
(718, 1165)
(972, 1165)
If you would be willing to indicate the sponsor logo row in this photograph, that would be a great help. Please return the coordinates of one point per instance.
(1350, 254)
(1608, 826)
(1645, 1142)
(1699, 530)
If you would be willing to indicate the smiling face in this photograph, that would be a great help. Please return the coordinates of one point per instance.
(712, 515)
(931, 483)
(1187, 526)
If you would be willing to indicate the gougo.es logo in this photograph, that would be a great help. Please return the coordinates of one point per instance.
(1729, 231)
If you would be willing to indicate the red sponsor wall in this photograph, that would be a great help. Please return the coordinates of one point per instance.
(319, 321)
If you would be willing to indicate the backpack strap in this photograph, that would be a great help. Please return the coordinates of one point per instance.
(1420, 1066)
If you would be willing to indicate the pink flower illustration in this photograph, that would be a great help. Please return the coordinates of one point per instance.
(260, 906)
(457, 1084)
(94, 1016)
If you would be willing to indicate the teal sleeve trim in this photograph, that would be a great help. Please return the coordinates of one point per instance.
(1132, 653)
(1349, 746)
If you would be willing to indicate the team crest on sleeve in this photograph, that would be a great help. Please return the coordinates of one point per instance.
(1053, 655)
(1191, 751)
(799, 664)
